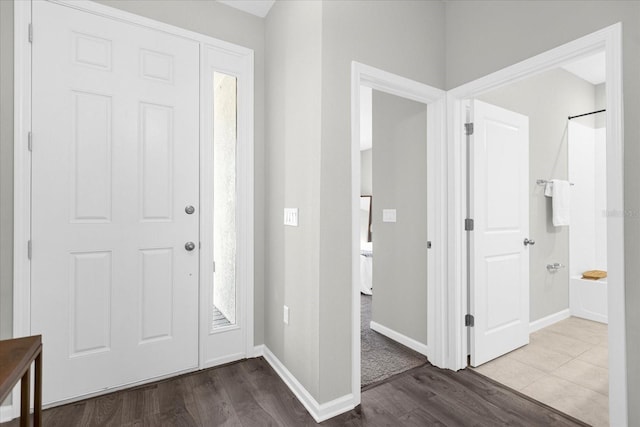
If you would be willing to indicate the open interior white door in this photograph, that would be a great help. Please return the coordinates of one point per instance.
(499, 262)
(115, 166)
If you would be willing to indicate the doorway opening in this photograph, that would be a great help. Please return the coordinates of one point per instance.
(568, 345)
(393, 235)
(395, 89)
(561, 361)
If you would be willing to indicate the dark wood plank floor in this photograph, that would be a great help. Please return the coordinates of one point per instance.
(249, 393)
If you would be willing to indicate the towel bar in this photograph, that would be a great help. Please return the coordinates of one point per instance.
(544, 181)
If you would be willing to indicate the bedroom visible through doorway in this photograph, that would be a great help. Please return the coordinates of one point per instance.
(393, 234)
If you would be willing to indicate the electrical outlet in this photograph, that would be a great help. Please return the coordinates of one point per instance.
(286, 315)
(291, 216)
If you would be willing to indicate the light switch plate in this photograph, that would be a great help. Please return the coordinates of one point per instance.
(291, 216)
(388, 215)
(285, 313)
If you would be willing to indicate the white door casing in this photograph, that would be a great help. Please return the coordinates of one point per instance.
(609, 40)
(499, 262)
(365, 75)
(114, 291)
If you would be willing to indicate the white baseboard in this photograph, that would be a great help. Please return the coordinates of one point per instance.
(319, 412)
(536, 325)
(258, 351)
(398, 337)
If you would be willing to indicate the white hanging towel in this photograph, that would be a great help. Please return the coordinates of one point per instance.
(558, 189)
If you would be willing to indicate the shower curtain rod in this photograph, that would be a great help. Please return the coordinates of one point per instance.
(587, 114)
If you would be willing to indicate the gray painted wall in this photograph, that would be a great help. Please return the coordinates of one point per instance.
(293, 81)
(400, 248)
(485, 36)
(402, 37)
(547, 100)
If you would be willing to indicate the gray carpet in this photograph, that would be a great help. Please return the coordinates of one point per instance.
(382, 357)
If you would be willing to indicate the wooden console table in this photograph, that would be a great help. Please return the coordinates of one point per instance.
(16, 356)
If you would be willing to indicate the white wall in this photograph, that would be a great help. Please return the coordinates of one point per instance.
(600, 197)
(588, 230)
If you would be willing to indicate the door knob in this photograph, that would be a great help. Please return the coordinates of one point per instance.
(189, 246)
(189, 209)
(529, 242)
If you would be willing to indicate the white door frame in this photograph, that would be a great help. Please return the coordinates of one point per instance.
(609, 40)
(22, 161)
(393, 84)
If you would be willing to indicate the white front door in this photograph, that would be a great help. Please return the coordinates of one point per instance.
(499, 264)
(114, 288)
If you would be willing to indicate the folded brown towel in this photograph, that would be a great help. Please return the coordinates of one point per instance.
(594, 274)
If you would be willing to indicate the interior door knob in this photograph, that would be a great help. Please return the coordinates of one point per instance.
(189, 210)
(529, 242)
(189, 246)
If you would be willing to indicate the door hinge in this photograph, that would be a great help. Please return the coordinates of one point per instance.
(468, 224)
(214, 266)
(468, 128)
(29, 249)
(30, 33)
(469, 320)
(428, 244)
(30, 141)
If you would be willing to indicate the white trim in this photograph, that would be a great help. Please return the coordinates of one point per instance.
(258, 351)
(393, 84)
(610, 40)
(22, 170)
(22, 158)
(398, 337)
(549, 320)
(21, 182)
(319, 412)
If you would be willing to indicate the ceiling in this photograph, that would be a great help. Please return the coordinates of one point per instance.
(255, 7)
(591, 68)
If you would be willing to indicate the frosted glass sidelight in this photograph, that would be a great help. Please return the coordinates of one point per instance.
(224, 199)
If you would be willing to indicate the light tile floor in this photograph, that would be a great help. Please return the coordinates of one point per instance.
(565, 366)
